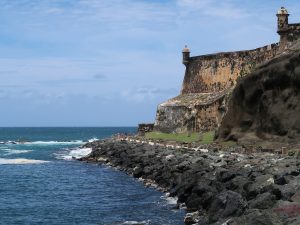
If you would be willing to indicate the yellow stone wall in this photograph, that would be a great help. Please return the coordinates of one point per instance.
(217, 72)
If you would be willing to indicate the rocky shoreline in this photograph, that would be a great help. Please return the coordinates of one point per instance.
(217, 185)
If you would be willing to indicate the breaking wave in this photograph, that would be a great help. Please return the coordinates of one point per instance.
(21, 161)
(75, 153)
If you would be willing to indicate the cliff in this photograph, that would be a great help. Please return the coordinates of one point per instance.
(265, 104)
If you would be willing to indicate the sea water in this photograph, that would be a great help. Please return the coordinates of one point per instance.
(41, 183)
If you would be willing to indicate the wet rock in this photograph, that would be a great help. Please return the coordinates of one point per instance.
(191, 218)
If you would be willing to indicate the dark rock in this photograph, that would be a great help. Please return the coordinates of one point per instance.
(226, 204)
(215, 185)
(258, 217)
(263, 201)
(137, 171)
(225, 175)
(296, 197)
(287, 209)
(280, 180)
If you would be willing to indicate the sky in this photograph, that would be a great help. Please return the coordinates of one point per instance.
(111, 62)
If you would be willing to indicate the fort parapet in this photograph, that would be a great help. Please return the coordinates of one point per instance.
(209, 79)
(218, 72)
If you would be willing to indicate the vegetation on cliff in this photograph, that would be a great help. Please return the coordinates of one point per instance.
(265, 104)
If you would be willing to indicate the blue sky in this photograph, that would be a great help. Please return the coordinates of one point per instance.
(111, 62)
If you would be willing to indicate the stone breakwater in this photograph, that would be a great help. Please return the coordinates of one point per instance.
(217, 186)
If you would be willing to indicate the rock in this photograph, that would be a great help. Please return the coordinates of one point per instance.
(215, 183)
(296, 197)
(226, 204)
(137, 171)
(191, 218)
(287, 191)
(294, 221)
(287, 209)
(263, 201)
(257, 217)
(262, 184)
(280, 180)
(225, 175)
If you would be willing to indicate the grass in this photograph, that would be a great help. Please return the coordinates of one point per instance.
(205, 138)
(182, 137)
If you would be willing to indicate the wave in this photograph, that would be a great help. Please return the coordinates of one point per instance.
(93, 139)
(54, 142)
(74, 153)
(15, 151)
(21, 161)
(79, 142)
(169, 200)
(136, 222)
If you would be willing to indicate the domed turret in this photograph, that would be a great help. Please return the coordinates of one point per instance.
(185, 55)
(283, 19)
(282, 11)
(283, 26)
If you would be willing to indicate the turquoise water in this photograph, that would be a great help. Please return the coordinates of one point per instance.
(41, 184)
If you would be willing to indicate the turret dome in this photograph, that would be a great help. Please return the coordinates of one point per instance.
(282, 11)
(186, 49)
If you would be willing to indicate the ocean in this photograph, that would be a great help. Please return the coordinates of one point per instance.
(41, 183)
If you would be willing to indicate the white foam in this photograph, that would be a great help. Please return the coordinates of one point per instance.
(75, 153)
(169, 200)
(20, 161)
(54, 142)
(137, 222)
(15, 151)
(93, 139)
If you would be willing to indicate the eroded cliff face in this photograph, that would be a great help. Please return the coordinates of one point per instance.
(265, 104)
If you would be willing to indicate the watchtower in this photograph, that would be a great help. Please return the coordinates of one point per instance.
(283, 25)
(185, 55)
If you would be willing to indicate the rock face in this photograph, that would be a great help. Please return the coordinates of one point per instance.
(253, 189)
(265, 104)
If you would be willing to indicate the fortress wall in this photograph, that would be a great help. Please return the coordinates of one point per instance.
(208, 117)
(217, 72)
(171, 119)
(294, 33)
(182, 119)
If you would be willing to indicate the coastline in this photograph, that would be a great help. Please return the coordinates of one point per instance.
(217, 186)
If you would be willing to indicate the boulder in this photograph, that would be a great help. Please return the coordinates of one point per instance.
(226, 204)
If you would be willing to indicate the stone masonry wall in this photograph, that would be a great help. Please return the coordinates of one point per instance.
(217, 72)
(181, 119)
(294, 33)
